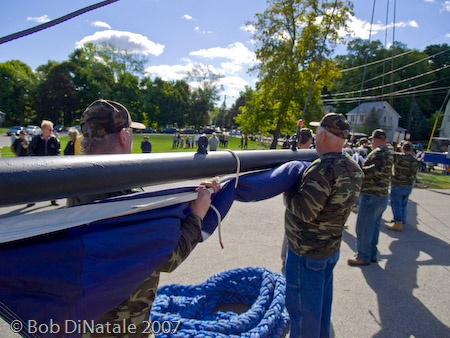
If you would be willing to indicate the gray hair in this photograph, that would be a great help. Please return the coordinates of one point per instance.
(331, 136)
(99, 145)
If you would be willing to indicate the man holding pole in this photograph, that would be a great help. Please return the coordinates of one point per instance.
(107, 129)
(316, 211)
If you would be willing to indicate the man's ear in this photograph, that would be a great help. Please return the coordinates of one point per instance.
(122, 137)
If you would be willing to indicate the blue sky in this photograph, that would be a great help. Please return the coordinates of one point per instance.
(177, 34)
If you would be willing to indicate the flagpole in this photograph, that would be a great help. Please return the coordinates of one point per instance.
(33, 179)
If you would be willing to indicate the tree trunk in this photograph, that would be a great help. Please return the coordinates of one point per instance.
(276, 135)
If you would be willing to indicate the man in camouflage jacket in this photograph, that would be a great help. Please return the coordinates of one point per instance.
(316, 211)
(403, 178)
(374, 198)
(107, 129)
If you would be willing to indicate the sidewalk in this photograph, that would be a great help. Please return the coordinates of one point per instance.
(405, 295)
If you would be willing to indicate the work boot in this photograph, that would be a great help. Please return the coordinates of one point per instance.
(398, 226)
(356, 262)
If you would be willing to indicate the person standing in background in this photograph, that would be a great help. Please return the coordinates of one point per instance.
(403, 178)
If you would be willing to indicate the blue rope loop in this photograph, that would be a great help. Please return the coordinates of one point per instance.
(262, 290)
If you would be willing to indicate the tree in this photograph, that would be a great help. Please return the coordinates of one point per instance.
(257, 114)
(204, 96)
(17, 86)
(92, 78)
(289, 36)
(56, 97)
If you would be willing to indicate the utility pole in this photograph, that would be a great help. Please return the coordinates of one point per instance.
(411, 109)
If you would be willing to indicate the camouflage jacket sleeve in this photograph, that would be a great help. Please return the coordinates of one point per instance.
(311, 196)
(374, 163)
(190, 235)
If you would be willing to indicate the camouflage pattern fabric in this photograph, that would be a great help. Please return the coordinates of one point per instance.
(136, 308)
(336, 124)
(405, 169)
(378, 171)
(104, 117)
(318, 207)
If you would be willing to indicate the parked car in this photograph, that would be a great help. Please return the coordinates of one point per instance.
(188, 131)
(58, 128)
(143, 131)
(169, 130)
(14, 130)
(207, 131)
(33, 130)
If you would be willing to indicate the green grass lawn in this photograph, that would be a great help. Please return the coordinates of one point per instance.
(433, 180)
(160, 144)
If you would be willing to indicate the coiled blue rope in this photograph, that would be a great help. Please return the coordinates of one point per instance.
(193, 305)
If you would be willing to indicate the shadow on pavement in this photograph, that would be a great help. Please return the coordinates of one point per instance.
(401, 313)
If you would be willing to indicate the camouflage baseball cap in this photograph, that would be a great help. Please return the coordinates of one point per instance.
(104, 117)
(336, 124)
(407, 146)
(378, 133)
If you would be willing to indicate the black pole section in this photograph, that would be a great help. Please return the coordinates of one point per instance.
(32, 179)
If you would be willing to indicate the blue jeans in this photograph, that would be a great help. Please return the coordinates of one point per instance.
(399, 201)
(309, 292)
(371, 209)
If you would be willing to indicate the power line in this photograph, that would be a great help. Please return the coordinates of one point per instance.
(54, 22)
(400, 93)
(375, 62)
(395, 83)
(408, 65)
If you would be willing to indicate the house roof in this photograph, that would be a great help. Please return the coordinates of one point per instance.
(367, 107)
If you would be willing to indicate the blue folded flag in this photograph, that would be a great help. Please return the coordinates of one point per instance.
(91, 263)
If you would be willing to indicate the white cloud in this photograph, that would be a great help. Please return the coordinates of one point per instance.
(100, 24)
(230, 67)
(233, 85)
(39, 19)
(361, 28)
(197, 29)
(430, 1)
(187, 17)
(132, 42)
(168, 72)
(236, 52)
(445, 7)
(248, 28)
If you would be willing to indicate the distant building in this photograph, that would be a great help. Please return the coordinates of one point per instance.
(384, 116)
(444, 131)
(2, 117)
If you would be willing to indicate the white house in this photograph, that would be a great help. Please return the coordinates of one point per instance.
(386, 115)
(444, 131)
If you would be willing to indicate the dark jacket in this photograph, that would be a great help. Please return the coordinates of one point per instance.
(70, 148)
(41, 147)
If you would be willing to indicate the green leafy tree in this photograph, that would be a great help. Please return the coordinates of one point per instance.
(17, 87)
(289, 36)
(56, 97)
(92, 78)
(256, 115)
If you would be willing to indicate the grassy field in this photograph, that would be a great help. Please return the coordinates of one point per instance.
(160, 144)
(433, 180)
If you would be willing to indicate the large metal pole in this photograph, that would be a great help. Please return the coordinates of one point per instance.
(32, 179)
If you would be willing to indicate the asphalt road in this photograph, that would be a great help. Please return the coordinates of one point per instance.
(406, 294)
